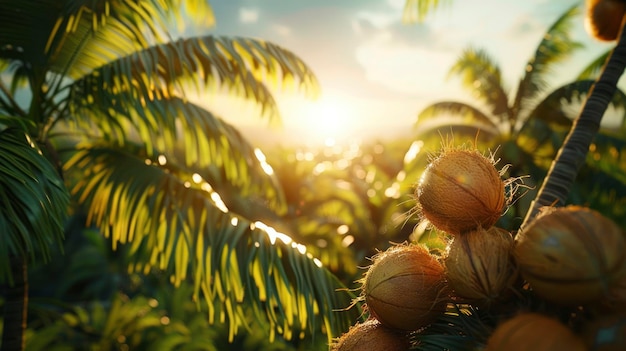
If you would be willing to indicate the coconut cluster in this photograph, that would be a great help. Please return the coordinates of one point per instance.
(462, 193)
(572, 259)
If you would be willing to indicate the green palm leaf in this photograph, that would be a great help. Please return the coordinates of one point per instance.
(482, 75)
(595, 67)
(161, 71)
(36, 30)
(548, 122)
(24, 28)
(175, 221)
(606, 154)
(555, 46)
(200, 141)
(550, 109)
(33, 201)
(455, 112)
(417, 10)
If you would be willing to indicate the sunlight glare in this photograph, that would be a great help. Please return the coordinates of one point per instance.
(262, 160)
(328, 120)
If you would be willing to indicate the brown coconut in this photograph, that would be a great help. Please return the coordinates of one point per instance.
(479, 265)
(460, 191)
(372, 336)
(405, 287)
(603, 19)
(534, 332)
(571, 255)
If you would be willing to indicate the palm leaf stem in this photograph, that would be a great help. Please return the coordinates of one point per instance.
(8, 102)
(572, 154)
(56, 86)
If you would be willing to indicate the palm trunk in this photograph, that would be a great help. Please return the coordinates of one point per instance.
(15, 307)
(573, 152)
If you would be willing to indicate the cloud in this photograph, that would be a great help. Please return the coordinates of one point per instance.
(281, 29)
(413, 70)
(377, 19)
(248, 15)
(396, 4)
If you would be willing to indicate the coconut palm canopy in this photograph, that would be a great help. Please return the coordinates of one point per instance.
(95, 95)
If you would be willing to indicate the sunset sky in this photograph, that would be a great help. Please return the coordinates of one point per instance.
(377, 73)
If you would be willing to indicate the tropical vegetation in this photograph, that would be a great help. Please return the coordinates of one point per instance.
(162, 227)
(95, 104)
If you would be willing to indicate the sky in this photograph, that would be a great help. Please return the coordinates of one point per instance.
(375, 72)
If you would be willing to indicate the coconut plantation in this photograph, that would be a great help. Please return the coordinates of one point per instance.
(293, 176)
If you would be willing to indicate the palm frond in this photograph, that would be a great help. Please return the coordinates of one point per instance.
(24, 124)
(457, 112)
(176, 222)
(33, 201)
(459, 132)
(481, 75)
(240, 64)
(24, 29)
(593, 69)
(416, 10)
(461, 328)
(541, 138)
(555, 46)
(89, 34)
(607, 153)
(200, 141)
(33, 31)
(551, 108)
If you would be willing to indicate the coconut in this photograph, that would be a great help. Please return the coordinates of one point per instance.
(571, 255)
(533, 331)
(460, 191)
(371, 336)
(479, 265)
(603, 19)
(405, 287)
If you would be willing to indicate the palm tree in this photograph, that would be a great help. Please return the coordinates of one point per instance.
(571, 156)
(95, 99)
(528, 126)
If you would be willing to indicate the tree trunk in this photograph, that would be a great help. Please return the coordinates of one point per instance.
(15, 307)
(573, 152)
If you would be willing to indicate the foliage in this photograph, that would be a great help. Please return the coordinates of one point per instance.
(33, 201)
(345, 202)
(87, 299)
(417, 10)
(104, 89)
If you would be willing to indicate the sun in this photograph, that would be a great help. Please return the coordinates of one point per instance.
(326, 120)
